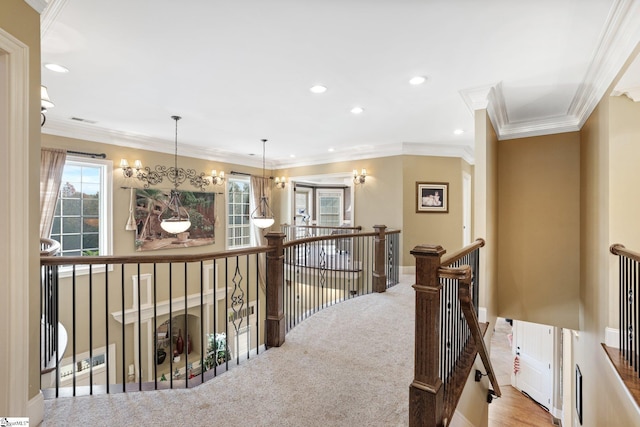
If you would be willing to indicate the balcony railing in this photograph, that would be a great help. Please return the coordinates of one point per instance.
(448, 335)
(626, 358)
(174, 321)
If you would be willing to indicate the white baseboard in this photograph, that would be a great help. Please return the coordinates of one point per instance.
(612, 337)
(482, 314)
(35, 409)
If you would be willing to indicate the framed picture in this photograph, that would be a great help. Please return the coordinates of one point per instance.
(432, 197)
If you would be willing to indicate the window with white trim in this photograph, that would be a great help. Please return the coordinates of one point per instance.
(329, 207)
(238, 224)
(82, 220)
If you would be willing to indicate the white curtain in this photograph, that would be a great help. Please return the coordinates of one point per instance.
(259, 186)
(51, 167)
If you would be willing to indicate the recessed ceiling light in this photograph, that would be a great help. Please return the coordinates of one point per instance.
(331, 149)
(357, 110)
(417, 80)
(458, 131)
(57, 68)
(318, 89)
(292, 155)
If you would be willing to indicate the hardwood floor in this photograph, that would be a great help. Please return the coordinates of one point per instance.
(513, 408)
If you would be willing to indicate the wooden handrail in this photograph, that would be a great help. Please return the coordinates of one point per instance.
(150, 259)
(466, 303)
(450, 259)
(358, 227)
(294, 242)
(620, 250)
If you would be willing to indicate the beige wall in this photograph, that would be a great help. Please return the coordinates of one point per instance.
(539, 225)
(388, 197)
(23, 22)
(603, 139)
(444, 229)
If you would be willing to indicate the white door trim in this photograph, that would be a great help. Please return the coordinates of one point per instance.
(14, 176)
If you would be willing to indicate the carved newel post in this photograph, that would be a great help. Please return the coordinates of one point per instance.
(426, 393)
(275, 325)
(379, 272)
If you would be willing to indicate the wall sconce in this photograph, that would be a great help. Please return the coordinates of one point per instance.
(359, 179)
(280, 182)
(45, 103)
(157, 175)
(127, 170)
(217, 179)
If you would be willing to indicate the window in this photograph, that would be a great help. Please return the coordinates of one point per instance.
(82, 221)
(239, 227)
(329, 207)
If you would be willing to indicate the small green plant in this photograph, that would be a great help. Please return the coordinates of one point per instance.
(217, 350)
(91, 252)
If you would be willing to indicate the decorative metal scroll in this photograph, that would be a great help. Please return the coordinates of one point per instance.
(237, 299)
(174, 175)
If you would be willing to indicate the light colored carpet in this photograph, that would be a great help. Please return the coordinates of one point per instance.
(348, 365)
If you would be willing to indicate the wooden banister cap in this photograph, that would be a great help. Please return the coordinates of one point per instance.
(428, 250)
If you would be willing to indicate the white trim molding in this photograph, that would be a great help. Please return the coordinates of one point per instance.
(620, 36)
(37, 5)
(612, 337)
(14, 296)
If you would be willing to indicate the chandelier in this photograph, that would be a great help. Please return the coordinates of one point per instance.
(174, 218)
(262, 216)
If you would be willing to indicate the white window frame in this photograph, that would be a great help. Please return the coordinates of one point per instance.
(320, 192)
(228, 211)
(106, 212)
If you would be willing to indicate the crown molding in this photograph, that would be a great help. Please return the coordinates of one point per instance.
(37, 5)
(94, 133)
(89, 132)
(477, 98)
(632, 93)
(50, 14)
(620, 36)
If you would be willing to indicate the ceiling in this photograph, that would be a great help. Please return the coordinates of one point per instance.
(239, 71)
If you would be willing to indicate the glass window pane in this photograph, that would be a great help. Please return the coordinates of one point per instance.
(90, 241)
(90, 174)
(71, 225)
(56, 226)
(91, 207)
(90, 191)
(71, 242)
(91, 225)
(71, 207)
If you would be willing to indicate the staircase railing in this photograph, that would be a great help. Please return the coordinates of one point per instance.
(626, 358)
(448, 335)
(173, 321)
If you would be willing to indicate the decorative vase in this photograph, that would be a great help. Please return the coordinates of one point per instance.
(180, 342)
(189, 344)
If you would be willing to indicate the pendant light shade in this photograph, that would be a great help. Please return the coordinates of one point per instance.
(262, 216)
(174, 218)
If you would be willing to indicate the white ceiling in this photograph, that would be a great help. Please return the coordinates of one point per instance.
(239, 71)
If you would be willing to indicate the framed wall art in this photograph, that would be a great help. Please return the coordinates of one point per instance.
(149, 236)
(432, 197)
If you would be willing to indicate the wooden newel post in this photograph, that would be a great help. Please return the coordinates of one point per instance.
(426, 393)
(275, 325)
(379, 271)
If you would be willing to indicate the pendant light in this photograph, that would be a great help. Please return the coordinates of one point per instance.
(179, 220)
(262, 216)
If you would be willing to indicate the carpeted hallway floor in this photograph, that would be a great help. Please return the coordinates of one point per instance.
(344, 366)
